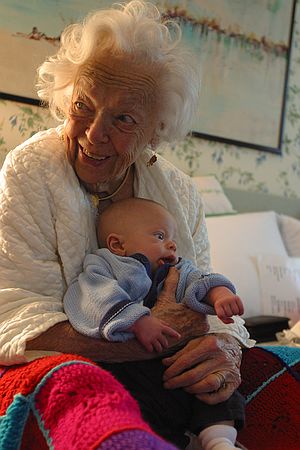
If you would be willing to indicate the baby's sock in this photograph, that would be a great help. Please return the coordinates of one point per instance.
(218, 437)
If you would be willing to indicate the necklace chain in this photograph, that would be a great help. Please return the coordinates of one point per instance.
(96, 198)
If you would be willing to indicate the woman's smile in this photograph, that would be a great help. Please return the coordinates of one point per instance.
(92, 166)
(93, 156)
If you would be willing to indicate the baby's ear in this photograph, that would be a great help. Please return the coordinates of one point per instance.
(115, 243)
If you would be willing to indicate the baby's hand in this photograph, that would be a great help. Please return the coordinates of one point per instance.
(228, 305)
(152, 333)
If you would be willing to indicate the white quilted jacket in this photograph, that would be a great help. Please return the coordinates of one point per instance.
(47, 227)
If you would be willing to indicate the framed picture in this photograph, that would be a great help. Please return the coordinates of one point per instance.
(243, 47)
(29, 32)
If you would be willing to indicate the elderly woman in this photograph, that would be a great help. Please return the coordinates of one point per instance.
(124, 84)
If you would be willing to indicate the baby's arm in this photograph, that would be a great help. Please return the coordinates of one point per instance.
(225, 303)
(152, 333)
(210, 293)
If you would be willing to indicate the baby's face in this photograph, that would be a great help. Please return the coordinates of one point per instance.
(153, 235)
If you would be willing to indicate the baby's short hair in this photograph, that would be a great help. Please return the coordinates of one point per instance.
(122, 208)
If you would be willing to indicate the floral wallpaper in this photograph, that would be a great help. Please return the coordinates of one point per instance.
(19, 121)
(234, 166)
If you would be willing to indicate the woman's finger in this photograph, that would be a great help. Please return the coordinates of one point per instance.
(203, 364)
(225, 390)
(170, 285)
(212, 383)
(195, 352)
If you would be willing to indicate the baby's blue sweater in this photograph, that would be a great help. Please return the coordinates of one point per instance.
(108, 296)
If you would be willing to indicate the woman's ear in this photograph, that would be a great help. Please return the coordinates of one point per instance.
(154, 142)
(115, 243)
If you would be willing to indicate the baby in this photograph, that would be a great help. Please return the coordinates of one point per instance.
(114, 295)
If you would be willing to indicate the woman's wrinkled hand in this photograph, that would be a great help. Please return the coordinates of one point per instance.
(208, 367)
(187, 322)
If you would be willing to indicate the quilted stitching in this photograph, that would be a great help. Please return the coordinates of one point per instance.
(47, 227)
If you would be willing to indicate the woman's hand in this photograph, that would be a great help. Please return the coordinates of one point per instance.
(187, 322)
(208, 367)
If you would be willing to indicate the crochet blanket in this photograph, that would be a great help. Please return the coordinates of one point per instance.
(271, 386)
(67, 402)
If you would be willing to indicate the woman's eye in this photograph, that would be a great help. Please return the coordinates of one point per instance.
(126, 118)
(80, 105)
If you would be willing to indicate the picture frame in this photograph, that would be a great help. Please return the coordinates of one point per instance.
(29, 33)
(243, 49)
(244, 52)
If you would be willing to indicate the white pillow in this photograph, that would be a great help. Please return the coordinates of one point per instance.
(235, 241)
(214, 198)
(280, 286)
(290, 232)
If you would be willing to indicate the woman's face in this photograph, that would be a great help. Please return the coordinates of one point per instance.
(111, 119)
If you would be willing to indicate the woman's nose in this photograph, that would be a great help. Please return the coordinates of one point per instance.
(97, 130)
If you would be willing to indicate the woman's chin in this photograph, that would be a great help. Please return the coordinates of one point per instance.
(90, 180)
(93, 173)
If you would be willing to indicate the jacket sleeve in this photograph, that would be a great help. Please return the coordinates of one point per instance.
(31, 278)
(198, 286)
(199, 230)
(106, 298)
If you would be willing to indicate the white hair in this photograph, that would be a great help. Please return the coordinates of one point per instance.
(139, 30)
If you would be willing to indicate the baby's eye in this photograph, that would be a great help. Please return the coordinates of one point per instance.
(126, 118)
(160, 235)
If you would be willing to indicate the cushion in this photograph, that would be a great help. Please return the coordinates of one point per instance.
(236, 241)
(280, 285)
(290, 232)
(214, 198)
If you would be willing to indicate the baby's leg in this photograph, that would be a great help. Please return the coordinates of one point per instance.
(220, 436)
(216, 425)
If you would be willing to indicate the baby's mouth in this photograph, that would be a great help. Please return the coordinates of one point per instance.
(168, 260)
